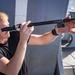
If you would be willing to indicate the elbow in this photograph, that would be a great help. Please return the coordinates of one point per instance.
(47, 42)
(10, 71)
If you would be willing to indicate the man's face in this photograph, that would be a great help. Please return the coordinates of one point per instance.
(5, 34)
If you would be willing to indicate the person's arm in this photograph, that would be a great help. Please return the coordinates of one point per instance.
(13, 66)
(46, 38)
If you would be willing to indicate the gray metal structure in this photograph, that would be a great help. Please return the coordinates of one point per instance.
(8, 6)
(69, 51)
(41, 60)
(47, 59)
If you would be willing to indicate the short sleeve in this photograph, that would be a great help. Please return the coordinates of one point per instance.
(1, 54)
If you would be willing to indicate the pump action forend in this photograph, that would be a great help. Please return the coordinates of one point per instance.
(15, 27)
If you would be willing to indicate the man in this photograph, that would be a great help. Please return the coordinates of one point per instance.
(13, 45)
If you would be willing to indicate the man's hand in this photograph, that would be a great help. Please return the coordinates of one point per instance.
(69, 27)
(25, 31)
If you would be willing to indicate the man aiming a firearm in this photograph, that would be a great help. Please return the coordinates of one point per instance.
(13, 44)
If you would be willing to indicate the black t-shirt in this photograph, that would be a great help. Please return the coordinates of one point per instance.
(7, 50)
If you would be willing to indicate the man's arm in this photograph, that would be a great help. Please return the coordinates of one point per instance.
(49, 37)
(13, 66)
(46, 38)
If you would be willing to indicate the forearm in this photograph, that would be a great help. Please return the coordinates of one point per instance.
(42, 39)
(15, 63)
(13, 66)
(48, 38)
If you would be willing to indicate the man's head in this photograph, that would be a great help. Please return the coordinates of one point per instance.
(3, 16)
(4, 23)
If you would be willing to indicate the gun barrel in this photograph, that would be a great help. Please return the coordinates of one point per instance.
(15, 27)
(50, 22)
